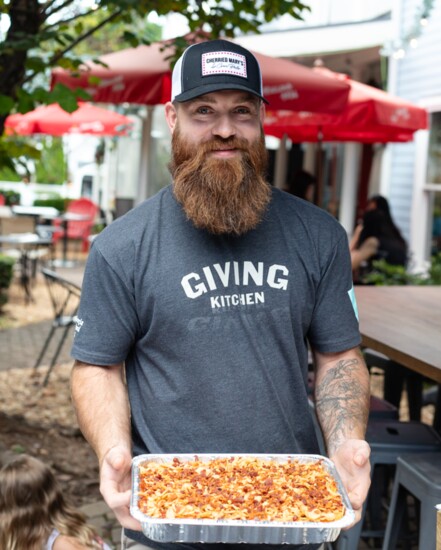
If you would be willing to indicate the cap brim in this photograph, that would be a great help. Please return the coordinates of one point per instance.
(209, 88)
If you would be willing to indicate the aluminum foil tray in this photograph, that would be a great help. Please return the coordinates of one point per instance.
(236, 531)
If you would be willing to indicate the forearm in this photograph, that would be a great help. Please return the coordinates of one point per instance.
(100, 399)
(354, 239)
(341, 397)
(367, 250)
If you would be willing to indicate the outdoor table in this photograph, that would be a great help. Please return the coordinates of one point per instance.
(25, 243)
(39, 213)
(404, 323)
(45, 212)
(74, 276)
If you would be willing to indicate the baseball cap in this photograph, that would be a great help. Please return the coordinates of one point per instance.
(216, 65)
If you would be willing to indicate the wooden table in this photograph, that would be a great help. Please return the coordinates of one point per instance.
(404, 323)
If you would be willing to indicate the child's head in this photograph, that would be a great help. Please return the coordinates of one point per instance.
(32, 505)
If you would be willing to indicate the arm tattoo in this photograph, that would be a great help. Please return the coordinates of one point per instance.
(342, 402)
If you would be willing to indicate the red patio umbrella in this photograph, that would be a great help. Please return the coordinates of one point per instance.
(142, 75)
(371, 116)
(55, 121)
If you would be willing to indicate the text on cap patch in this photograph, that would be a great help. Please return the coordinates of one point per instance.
(224, 63)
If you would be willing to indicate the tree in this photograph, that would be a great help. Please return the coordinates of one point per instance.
(43, 34)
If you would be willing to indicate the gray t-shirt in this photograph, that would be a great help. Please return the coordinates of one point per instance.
(214, 329)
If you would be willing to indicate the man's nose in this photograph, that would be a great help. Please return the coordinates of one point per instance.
(224, 127)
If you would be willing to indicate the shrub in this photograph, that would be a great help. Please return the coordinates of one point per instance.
(11, 197)
(6, 272)
(434, 273)
(56, 202)
(384, 274)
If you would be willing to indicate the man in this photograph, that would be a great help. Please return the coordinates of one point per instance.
(209, 293)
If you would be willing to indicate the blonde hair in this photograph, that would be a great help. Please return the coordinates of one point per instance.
(32, 505)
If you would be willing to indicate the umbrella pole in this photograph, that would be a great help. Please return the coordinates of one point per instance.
(319, 171)
(333, 200)
(280, 168)
(351, 169)
(144, 174)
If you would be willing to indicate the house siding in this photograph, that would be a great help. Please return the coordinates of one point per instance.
(417, 77)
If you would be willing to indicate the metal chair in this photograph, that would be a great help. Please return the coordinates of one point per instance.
(419, 475)
(64, 296)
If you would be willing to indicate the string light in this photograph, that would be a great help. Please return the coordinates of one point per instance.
(397, 48)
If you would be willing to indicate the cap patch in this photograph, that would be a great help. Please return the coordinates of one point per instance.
(224, 63)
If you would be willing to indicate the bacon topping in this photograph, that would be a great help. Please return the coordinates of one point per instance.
(239, 488)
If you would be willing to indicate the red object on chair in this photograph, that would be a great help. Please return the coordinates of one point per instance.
(78, 229)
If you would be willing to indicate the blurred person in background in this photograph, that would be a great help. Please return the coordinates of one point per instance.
(34, 514)
(376, 237)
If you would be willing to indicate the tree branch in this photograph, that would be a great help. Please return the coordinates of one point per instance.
(73, 18)
(79, 39)
(48, 5)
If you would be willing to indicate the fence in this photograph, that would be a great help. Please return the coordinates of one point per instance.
(29, 192)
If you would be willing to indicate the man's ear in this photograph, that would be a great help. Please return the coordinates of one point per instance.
(171, 115)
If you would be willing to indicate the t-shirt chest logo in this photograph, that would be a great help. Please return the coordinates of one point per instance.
(245, 281)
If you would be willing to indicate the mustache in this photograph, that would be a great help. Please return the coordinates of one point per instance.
(224, 144)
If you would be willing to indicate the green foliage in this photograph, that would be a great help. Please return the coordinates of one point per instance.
(55, 202)
(6, 272)
(51, 167)
(45, 152)
(11, 197)
(106, 39)
(6, 104)
(8, 173)
(434, 273)
(385, 274)
(14, 152)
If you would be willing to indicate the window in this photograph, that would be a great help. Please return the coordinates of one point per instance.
(433, 179)
(434, 153)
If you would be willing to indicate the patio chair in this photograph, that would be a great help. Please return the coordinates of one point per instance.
(77, 229)
(64, 296)
(420, 476)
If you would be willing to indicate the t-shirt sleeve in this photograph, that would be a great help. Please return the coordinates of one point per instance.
(107, 323)
(334, 326)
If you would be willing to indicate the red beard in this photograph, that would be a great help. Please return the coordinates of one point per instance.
(223, 196)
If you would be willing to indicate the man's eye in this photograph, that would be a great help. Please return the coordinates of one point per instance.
(243, 111)
(203, 110)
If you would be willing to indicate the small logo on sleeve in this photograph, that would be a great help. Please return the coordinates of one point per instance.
(351, 294)
(78, 324)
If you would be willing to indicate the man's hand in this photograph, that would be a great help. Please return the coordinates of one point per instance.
(352, 462)
(115, 485)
